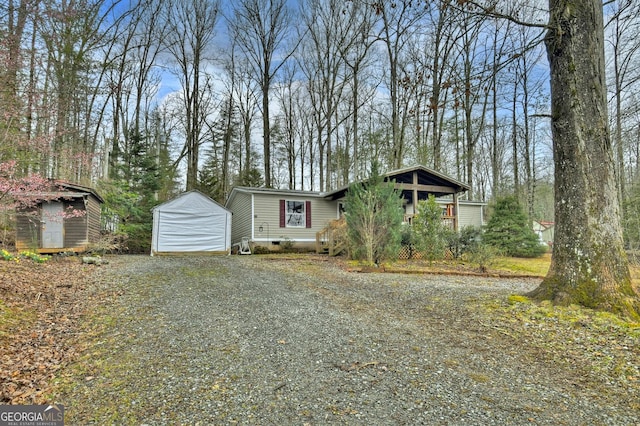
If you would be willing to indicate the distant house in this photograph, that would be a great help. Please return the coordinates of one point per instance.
(49, 227)
(271, 217)
(191, 223)
(545, 231)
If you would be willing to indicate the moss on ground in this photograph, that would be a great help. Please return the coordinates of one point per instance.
(602, 345)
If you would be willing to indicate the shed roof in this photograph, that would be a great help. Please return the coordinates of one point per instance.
(62, 189)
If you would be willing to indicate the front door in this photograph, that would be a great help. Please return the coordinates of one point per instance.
(52, 225)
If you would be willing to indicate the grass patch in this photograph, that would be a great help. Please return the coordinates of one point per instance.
(14, 319)
(535, 266)
(517, 298)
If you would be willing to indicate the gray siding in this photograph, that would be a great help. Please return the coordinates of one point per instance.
(471, 214)
(240, 206)
(267, 215)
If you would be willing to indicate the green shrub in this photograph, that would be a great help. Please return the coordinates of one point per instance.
(467, 240)
(509, 230)
(373, 213)
(432, 234)
(481, 255)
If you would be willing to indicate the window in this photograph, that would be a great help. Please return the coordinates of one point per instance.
(341, 209)
(295, 214)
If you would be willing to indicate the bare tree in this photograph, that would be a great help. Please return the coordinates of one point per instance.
(190, 29)
(261, 28)
(357, 60)
(334, 30)
(443, 53)
(11, 47)
(398, 23)
(624, 61)
(473, 84)
(76, 35)
(131, 79)
(246, 94)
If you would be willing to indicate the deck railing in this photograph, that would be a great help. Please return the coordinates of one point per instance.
(330, 240)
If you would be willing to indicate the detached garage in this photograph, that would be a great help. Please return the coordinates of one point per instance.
(191, 223)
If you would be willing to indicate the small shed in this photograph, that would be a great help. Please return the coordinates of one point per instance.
(191, 223)
(65, 219)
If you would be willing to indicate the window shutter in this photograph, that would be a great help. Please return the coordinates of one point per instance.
(307, 211)
(283, 214)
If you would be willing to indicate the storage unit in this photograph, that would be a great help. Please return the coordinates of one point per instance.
(191, 223)
(64, 219)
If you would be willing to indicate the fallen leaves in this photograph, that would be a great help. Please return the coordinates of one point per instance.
(40, 305)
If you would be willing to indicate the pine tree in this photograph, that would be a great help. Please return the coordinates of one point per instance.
(508, 230)
(374, 219)
(130, 198)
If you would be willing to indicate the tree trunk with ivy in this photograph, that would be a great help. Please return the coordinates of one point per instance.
(589, 265)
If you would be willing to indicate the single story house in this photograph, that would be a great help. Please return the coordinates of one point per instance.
(272, 217)
(191, 223)
(65, 219)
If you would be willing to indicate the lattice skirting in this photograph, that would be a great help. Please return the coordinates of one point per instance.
(410, 252)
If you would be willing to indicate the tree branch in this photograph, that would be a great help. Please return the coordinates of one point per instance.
(491, 11)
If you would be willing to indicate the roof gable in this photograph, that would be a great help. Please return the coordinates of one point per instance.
(426, 176)
(193, 200)
(427, 180)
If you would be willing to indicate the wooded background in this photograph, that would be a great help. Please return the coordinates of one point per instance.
(159, 96)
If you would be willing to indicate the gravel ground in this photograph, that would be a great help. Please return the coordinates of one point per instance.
(252, 340)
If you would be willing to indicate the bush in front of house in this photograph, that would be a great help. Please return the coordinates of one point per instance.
(432, 236)
(467, 240)
(373, 214)
(509, 231)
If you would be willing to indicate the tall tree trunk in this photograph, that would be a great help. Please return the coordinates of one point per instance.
(266, 131)
(514, 140)
(589, 265)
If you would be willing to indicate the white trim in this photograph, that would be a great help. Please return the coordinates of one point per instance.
(289, 215)
(253, 216)
(284, 238)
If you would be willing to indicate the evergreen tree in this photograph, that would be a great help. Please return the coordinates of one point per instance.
(509, 231)
(252, 178)
(209, 181)
(432, 235)
(374, 219)
(130, 198)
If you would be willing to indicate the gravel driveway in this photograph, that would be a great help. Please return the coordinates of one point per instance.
(252, 340)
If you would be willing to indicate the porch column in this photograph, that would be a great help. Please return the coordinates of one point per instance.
(415, 193)
(455, 213)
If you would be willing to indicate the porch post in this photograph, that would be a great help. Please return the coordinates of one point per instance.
(415, 193)
(455, 213)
